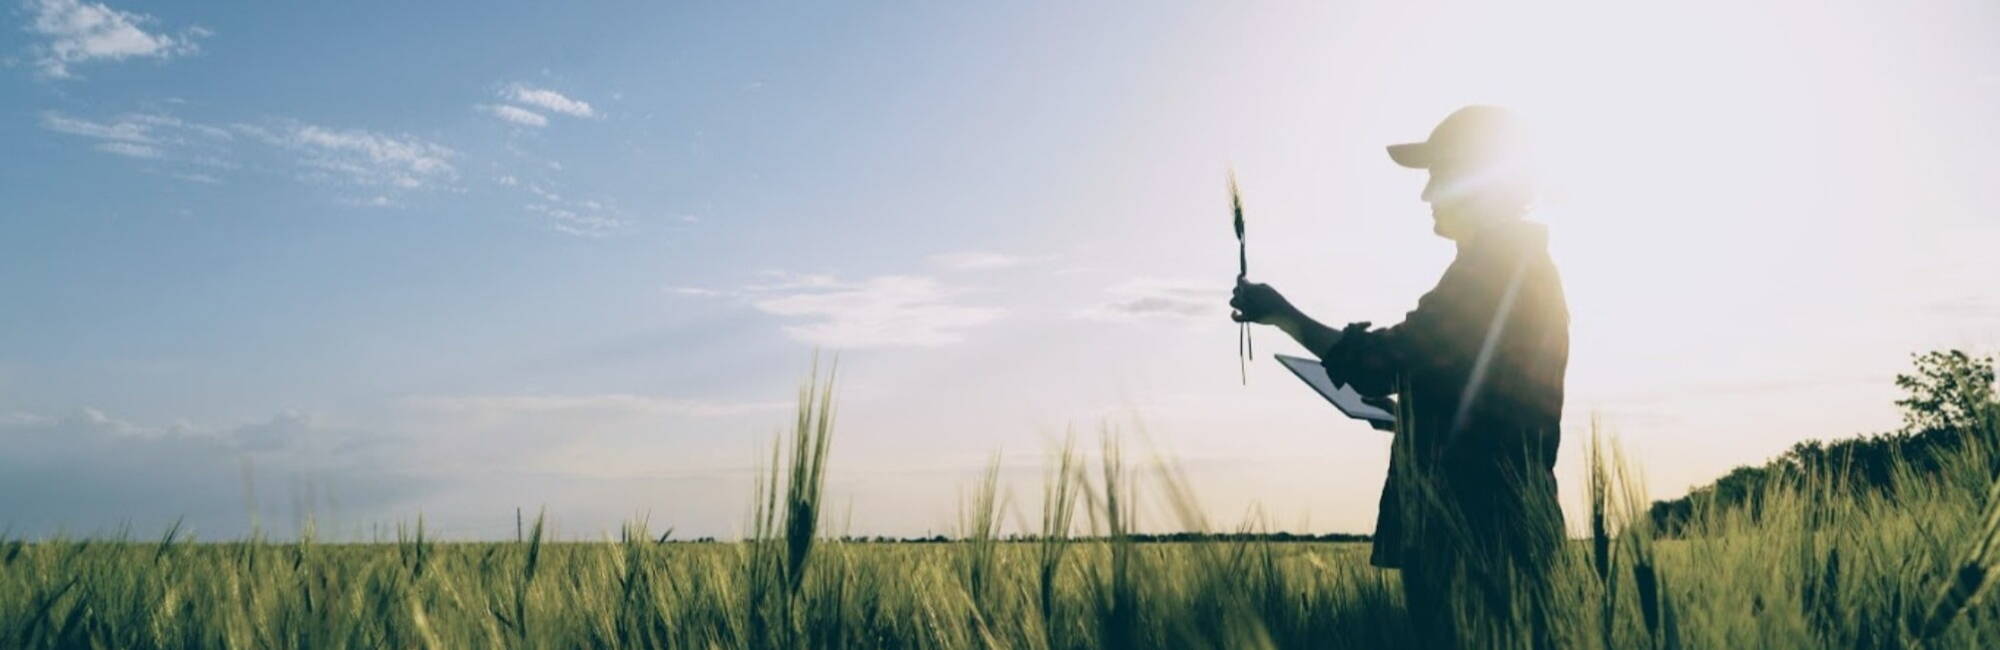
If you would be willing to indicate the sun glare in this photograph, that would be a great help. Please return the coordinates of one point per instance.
(1707, 176)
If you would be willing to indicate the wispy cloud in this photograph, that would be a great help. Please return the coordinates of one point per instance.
(548, 100)
(570, 221)
(76, 32)
(376, 201)
(146, 135)
(581, 217)
(363, 157)
(781, 280)
(516, 114)
(171, 123)
(129, 149)
(503, 406)
(1154, 299)
(975, 260)
(124, 130)
(885, 311)
(772, 282)
(371, 168)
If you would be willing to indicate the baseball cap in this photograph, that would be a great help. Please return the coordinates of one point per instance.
(1475, 133)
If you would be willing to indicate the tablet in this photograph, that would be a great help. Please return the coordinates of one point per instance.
(1313, 373)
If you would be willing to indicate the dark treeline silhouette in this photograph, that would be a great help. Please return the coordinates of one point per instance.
(1949, 399)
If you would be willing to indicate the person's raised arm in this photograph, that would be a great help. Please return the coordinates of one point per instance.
(1259, 303)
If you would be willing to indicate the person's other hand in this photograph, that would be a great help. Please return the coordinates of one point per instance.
(1258, 303)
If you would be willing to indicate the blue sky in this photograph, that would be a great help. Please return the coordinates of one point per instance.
(369, 260)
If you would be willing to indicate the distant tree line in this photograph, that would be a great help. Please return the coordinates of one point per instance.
(1949, 403)
(1139, 538)
(1136, 537)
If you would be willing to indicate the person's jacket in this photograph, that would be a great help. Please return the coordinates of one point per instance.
(1477, 370)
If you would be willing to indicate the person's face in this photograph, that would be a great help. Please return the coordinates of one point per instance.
(1464, 195)
(1448, 192)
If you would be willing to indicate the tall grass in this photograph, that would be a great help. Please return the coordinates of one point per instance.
(1972, 575)
(979, 533)
(785, 528)
(1813, 566)
(1113, 584)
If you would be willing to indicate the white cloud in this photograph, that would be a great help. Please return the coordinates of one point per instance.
(122, 130)
(170, 122)
(493, 407)
(548, 100)
(81, 32)
(129, 149)
(141, 128)
(149, 136)
(364, 157)
(516, 114)
(587, 223)
(414, 155)
(975, 260)
(1153, 299)
(581, 217)
(885, 311)
(779, 280)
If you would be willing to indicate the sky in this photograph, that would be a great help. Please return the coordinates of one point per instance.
(362, 262)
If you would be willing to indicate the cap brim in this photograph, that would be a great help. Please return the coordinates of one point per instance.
(1415, 155)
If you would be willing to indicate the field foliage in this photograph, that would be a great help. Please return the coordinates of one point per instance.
(1812, 564)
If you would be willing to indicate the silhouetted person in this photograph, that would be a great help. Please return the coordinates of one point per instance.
(1469, 512)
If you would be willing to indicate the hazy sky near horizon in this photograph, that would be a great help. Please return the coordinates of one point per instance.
(372, 259)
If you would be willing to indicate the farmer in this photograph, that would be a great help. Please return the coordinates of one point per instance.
(1469, 511)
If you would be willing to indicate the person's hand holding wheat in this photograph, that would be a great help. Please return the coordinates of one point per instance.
(1244, 349)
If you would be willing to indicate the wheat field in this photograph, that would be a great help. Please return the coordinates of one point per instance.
(1810, 565)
